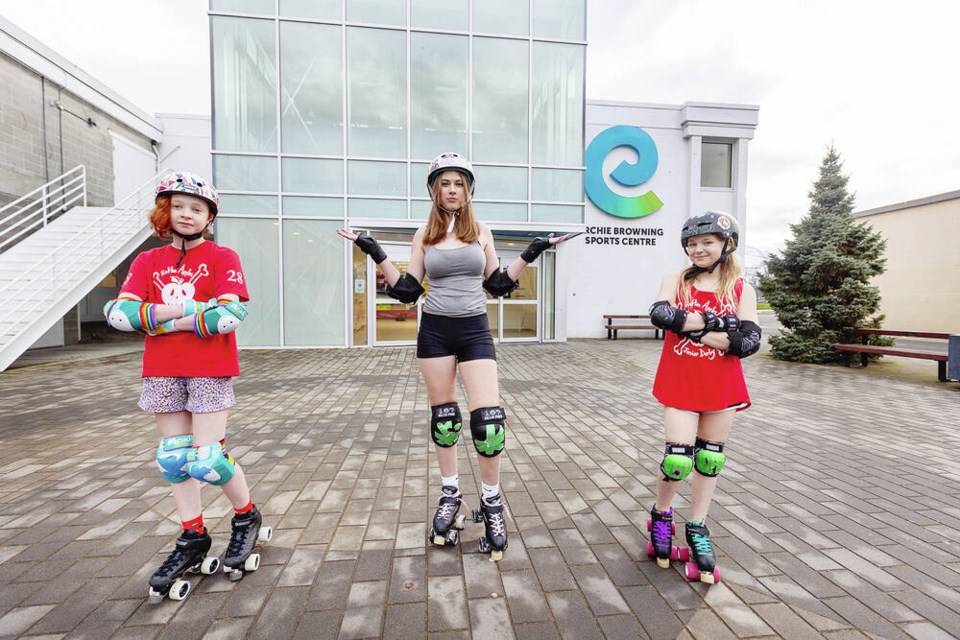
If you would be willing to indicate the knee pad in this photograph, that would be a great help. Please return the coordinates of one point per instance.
(211, 464)
(172, 456)
(708, 457)
(445, 424)
(489, 430)
(677, 461)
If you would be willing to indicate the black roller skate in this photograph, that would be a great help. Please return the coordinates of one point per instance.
(447, 522)
(704, 564)
(246, 533)
(189, 554)
(661, 528)
(494, 540)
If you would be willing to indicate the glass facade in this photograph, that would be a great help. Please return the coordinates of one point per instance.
(326, 113)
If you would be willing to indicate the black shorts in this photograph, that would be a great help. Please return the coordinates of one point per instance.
(466, 338)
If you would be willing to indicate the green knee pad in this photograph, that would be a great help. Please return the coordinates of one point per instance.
(446, 423)
(489, 431)
(708, 457)
(677, 461)
(211, 464)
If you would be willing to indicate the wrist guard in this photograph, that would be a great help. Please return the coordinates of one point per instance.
(371, 247)
(532, 252)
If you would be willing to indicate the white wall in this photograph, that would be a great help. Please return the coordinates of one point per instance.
(186, 143)
(624, 260)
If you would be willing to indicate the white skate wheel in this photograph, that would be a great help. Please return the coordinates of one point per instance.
(210, 565)
(252, 563)
(180, 590)
(265, 534)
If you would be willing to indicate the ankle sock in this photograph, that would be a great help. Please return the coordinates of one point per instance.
(243, 510)
(195, 524)
(490, 493)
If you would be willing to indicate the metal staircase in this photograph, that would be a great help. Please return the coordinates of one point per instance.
(54, 253)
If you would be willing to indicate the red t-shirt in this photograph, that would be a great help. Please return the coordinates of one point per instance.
(207, 271)
(695, 377)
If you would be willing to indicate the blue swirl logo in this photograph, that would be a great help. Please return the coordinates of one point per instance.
(626, 174)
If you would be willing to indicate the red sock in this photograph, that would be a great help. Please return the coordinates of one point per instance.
(246, 509)
(194, 525)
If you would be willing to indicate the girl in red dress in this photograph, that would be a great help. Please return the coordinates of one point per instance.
(709, 315)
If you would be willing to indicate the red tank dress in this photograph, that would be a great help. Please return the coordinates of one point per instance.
(695, 377)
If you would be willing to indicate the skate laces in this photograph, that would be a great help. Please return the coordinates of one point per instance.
(661, 531)
(701, 543)
(172, 562)
(238, 537)
(498, 525)
(448, 504)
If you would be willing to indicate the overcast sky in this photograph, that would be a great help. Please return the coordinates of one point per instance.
(873, 77)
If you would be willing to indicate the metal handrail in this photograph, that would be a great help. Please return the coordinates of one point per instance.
(66, 251)
(55, 197)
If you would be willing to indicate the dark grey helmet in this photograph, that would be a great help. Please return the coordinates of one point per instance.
(721, 224)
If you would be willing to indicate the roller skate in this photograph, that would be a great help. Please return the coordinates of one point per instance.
(704, 564)
(447, 522)
(661, 528)
(491, 515)
(246, 533)
(189, 554)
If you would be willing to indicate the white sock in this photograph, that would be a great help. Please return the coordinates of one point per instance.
(489, 492)
(452, 481)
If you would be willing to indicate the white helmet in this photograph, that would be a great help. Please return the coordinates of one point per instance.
(450, 162)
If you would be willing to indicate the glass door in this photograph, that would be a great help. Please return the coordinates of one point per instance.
(392, 321)
(515, 317)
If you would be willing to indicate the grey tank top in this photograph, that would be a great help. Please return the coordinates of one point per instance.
(456, 281)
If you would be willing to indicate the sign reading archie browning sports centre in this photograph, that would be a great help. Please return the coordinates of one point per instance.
(628, 175)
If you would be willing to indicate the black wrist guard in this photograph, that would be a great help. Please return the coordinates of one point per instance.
(532, 252)
(371, 247)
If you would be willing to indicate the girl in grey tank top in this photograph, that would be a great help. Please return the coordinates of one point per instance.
(455, 281)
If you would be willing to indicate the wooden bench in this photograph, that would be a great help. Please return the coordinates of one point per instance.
(615, 323)
(865, 350)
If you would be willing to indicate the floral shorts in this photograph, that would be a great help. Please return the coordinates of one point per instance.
(196, 395)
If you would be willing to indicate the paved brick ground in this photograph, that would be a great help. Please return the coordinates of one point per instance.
(835, 516)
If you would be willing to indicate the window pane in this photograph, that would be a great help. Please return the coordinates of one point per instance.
(520, 320)
(527, 285)
(502, 183)
(245, 85)
(359, 283)
(245, 173)
(557, 185)
(313, 284)
(264, 7)
(311, 91)
(418, 179)
(559, 19)
(450, 15)
(506, 17)
(256, 242)
(308, 175)
(499, 100)
(715, 164)
(556, 213)
(248, 205)
(370, 208)
(490, 211)
(420, 209)
(377, 11)
(549, 295)
(438, 94)
(319, 207)
(377, 93)
(557, 103)
(317, 9)
(376, 178)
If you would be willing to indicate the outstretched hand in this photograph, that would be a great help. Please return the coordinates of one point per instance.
(349, 235)
(558, 239)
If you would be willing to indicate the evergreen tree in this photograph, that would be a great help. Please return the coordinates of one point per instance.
(819, 285)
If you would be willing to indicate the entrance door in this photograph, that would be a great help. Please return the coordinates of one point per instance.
(392, 321)
(515, 317)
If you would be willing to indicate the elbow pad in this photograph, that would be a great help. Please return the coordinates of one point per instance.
(499, 284)
(407, 289)
(130, 315)
(223, 318)
(667, 317)
(746, 341)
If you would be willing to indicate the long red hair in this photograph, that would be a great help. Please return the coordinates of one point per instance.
(160, 218)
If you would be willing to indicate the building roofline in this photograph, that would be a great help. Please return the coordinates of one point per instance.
(33, 54)
(657, 105)
(909, 204)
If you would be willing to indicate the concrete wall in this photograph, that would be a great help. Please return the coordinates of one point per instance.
(920, 290)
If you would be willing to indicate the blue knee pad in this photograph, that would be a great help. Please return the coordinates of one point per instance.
(211, 464)
(489, 430)
(446, 424)
(708, 457)
(677, 461)
(172, 455)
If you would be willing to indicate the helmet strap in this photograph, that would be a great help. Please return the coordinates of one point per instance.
(187, 237)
